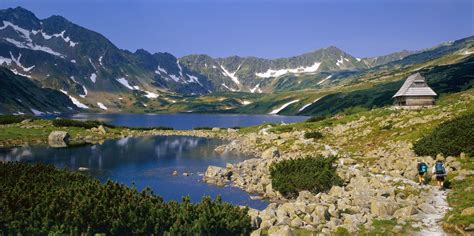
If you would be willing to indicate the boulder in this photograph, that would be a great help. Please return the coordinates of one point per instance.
(468, 211)
(296, 222)
(405, 212)
(270, 153)
(427, 208)
(283, 230)
(102, 130)
(57, 139)
(383, 207)
(217, 175)
(216, 129)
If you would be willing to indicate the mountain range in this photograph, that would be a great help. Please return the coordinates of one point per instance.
(68, 68)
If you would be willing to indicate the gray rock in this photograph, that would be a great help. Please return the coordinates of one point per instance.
(296, 222)
(383, 207)
(217, 175)
(283, 230)
(102, 130)
(427, 208)
(270, 153)
(57, 139)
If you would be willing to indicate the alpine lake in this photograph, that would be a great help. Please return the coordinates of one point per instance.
(172, 166)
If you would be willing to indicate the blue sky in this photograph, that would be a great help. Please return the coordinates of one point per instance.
(266, 29)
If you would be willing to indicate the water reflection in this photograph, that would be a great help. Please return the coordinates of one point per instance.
(145, 161)
(183, 120)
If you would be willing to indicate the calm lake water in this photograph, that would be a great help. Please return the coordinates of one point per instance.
(183, 121)
(146, 161)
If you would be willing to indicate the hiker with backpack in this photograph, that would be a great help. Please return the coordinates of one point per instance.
(422, 170)
(440, 171)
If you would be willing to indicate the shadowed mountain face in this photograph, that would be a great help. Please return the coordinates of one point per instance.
(22, 95)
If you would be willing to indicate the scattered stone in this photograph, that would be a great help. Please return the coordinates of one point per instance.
(270, 153)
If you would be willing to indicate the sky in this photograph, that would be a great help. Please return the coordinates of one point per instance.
(263, 28)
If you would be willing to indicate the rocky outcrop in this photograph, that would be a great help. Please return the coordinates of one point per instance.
(58, 139)
(217, 175)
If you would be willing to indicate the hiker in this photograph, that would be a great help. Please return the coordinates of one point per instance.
(440, 171)
(422, 170)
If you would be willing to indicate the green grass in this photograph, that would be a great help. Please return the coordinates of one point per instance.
(461, 196)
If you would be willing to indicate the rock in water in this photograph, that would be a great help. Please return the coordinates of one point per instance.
(57, 139)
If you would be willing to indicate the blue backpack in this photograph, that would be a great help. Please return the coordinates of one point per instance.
(422, 167)
(439, 168)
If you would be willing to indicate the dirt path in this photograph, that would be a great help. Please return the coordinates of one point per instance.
(432, 217)
(432, 221)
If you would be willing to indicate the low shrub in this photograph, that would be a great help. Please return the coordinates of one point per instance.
(315, 174)
(12, 119)
(40, 199)
(315, 119)
(76, 123)
(202, 128)
(314, 135)
(449, 138)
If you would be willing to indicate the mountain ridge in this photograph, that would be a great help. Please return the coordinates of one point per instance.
(90, 69)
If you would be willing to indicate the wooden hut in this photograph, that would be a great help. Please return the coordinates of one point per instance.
(414, 93)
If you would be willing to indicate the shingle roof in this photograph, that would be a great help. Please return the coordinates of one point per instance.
(408, 89)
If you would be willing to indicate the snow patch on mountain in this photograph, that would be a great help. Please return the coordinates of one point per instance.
(161, 70)
(24, 32)
(34, 47)
(73, 61)
(4, 60)
(150, 94)
(59, 35)
(85, 92)
(340, 62)
(276, 111)
(125, 83)
(324, 80)
(75, 101)
(16, 60)
(93, 77)
(230, 89)
(256, 89)
(90, 61)
(231, 75)
(102, 106)
(18, 73)
(36, 112)
(194, 79)
(300, 70)
(309, 104)
(245, 102)
(180, 69)
(100, 61)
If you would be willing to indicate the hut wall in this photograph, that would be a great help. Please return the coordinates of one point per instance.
(419, 101)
